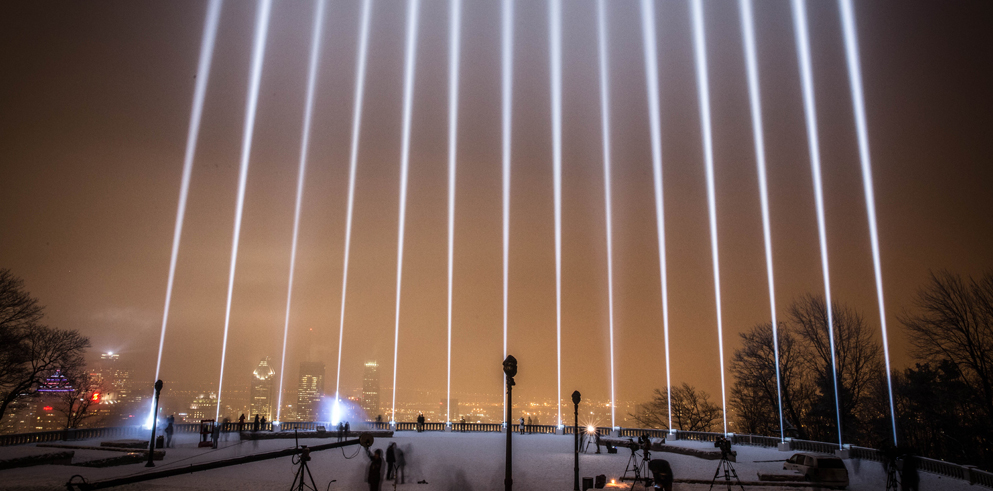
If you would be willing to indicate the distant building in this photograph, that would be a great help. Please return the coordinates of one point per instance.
(203, 407)
(113, 381)
(452, 416)
(310, 390)
(262, 402)
(370, 390)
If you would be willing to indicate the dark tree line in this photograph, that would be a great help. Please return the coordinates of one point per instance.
(691, 410)
(944, 403)
(807, 377)
(31, 352)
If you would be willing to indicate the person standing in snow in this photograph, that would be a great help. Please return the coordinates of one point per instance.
(375, 474)
(241, 423)
(522, 425)
(169, 430)
(390, 460)
(400, 463)
(255, 426)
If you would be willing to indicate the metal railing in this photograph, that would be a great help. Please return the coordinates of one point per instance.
(967, 473)
(74, 434)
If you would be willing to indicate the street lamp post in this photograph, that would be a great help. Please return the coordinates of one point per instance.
(575, 431)
(510, 369)
(155, 414)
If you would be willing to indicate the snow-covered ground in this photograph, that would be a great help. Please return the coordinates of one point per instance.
(447, 461)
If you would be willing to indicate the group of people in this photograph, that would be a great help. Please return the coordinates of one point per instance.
(420, 422)
(343, 430)
(527, 428)
(394, 461)
(258, 424)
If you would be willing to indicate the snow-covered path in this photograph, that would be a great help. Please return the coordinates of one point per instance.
(447, 461)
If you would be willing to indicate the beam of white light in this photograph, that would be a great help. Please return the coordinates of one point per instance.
(413, 13)
(751, 61)
(352, 166)
(555, 19)
(258, 54)
(649, 41)
(453, 123)
(507, 90)
(605, 126)
(199, 92)
(858, 104)
(703, 92)
(807, 77)
(315, 49)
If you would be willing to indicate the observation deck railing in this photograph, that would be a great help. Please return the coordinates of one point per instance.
(933, 466)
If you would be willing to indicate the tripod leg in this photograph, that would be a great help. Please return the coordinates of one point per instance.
(311, 476)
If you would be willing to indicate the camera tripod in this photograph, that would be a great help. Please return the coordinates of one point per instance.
(891, 481)
(591, 439)
(729, 473)
(299, 479)
(639, 468)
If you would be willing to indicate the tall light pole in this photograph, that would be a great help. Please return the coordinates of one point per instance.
(155, 416)
(510, 369)
(576, 397)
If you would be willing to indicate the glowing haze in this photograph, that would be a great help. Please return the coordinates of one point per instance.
(592, 262)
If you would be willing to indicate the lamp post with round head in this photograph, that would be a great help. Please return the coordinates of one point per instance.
(576, 397)
(510, 370)
(155, 416)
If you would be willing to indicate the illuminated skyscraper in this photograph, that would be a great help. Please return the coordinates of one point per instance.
(262, 394)
(310, 390)
(202, 408)
(370, 390)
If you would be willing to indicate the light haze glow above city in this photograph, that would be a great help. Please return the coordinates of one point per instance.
(97, 150)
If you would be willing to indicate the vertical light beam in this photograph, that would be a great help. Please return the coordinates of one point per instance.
(506, 95)
(605, 126)
(555, 38)
(455, 29)
(258, 54)
(649, 40)
(353, 160)
(413, 13)
(751, 62)
(315, 49)
(858, 104)
(806, 76)
(703, 92)
(199, 92)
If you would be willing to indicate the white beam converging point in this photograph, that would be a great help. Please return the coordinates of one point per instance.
(455, 29)
(858, 105)
(353, 161)
(555, 39)
(506, 96)
(315, 49)
(255, 77)
(605, 126)
(810, 111)
(703, 93)
(413, 13)
(649, 41)
(751, 62)
(192, 135)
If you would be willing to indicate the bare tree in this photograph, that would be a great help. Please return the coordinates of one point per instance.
(807, 376)
(954, 322)
(691, 410)
(29, 351)
(74, 404)
(755, 397)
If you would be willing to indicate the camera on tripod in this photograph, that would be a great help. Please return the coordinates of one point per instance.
(725, 445)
